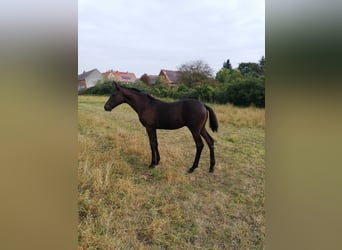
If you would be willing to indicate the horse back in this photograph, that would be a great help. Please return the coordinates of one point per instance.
(179, 114)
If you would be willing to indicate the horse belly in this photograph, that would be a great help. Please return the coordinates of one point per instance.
(170, 124)
(170, 121)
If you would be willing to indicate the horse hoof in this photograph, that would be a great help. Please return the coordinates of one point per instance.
(211, 170)
(152, 166)
(190, 170)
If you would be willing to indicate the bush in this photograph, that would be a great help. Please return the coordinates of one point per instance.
(159, 90)
(105, 88)
(206, 93)
(184, 92)
(246, 94)
(221, 96)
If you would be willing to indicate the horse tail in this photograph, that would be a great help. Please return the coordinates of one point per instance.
(213, 124)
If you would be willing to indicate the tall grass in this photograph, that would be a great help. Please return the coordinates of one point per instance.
(125, 205)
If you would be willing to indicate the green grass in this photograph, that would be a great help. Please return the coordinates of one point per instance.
(125, 205)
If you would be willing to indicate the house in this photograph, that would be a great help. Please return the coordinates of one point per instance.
(88, 79)
(108, 75)
(170, 77)
(123, 77)
(152, 79)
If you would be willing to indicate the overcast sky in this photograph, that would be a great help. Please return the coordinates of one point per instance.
(146, 36)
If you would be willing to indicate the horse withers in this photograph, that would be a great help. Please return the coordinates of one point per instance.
(155, 114)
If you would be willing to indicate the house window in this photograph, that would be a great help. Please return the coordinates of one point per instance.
(80, 87)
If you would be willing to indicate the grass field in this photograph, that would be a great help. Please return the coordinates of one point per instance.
(125, 205)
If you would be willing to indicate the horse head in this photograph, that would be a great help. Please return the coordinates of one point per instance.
(115, 99)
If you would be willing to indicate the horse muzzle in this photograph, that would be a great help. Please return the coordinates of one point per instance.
(106, 108)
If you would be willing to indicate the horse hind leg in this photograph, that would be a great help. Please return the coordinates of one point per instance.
(199, 147)
(210, 142)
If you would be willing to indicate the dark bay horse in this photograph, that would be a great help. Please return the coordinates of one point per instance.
(155, 114)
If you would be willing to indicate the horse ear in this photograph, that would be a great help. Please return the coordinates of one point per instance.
(115, 85)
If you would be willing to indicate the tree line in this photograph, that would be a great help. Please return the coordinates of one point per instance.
(243, 86)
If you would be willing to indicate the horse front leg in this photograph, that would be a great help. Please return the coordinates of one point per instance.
(157, 152)
(155, 158)
(199, 147)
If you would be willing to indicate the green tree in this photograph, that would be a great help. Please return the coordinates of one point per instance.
(223, 75)
(250, 69)
(262, 65)
(229, 77)
(227, 65)
(160, 82)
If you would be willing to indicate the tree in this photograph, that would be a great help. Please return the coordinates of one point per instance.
(223, 75)
(250, 68)
(262, 65)
(145, 79)
(227, 65)
(160, 82)
(228, 77)
(195, 72)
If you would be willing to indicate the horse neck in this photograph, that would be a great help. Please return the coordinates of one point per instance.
(135, 100)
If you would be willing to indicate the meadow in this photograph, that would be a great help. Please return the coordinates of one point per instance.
(125, 205)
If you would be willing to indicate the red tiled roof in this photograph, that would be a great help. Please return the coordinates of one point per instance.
(121, 76)
(107, 72)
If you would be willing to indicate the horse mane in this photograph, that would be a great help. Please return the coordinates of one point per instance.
(139, 91)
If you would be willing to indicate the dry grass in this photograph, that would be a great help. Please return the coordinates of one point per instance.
(125, 205)
(241, 117)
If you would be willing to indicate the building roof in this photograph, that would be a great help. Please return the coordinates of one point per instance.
(85, 74)
(152, 79)
(121, 76)
(107, 73)
(172, 76)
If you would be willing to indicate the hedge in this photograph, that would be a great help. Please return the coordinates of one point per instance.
(242, 93)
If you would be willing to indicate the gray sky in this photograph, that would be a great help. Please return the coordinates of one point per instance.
(146, 36)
